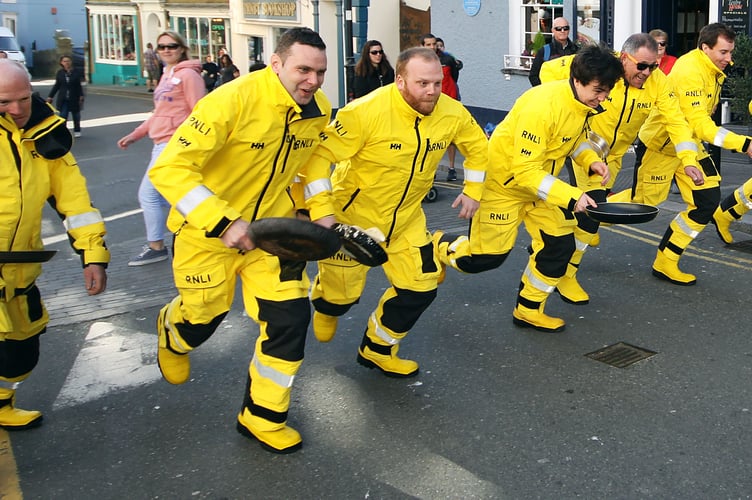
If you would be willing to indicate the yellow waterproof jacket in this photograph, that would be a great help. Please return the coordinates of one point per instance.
(528, 148)
(387, 155)
(236, 155)
(28, 180)
(628, 108)
(697, 83)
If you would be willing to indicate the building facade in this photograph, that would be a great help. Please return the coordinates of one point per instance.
(493, 38)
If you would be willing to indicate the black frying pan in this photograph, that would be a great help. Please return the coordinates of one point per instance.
(26, 256)
(622, 213)
(293, 239)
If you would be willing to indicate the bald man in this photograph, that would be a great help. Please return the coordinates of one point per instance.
(36, 167)
(560, 45)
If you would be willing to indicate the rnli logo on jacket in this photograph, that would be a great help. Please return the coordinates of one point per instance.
(436, 146)
(299, 143)
(198, 125)
(531, 137)
(643, 105)
(339, 128)
(198, 279)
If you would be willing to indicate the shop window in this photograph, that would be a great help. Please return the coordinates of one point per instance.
(537, 18)
(205, 36)
(114, 37)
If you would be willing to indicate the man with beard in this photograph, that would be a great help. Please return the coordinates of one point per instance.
(385, 167)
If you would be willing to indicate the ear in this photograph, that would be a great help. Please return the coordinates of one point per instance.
(275, 62)
(400, 82)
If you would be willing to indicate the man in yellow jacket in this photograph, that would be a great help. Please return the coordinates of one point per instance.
(36, 167)
(641, 92)
(526, 154)
(387, 146)
(696, 79)
(230, 163)
(732, 207)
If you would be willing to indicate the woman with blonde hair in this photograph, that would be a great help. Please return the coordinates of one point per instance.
(665, 60)
(179, 89)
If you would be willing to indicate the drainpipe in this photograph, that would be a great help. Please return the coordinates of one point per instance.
(316, 15)
(340, 52)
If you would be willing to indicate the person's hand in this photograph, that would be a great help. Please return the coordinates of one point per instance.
(695, 174)
(469, 206)
(584, 202)
(601, 168)
(749, 148)
(236, 236)
(126, 141)
(49, 99)
(326, 222)
(95, 279)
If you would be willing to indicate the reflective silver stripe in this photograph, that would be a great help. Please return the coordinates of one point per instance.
(545, 186)
(720, 136)
(381, 333)
(456, 243)
(193, 199)
(474, 175)
(175, 341)
(279, 378)
(533, 280)
(685, 228)
(686, 146)
(745, 201)
(4, 384)
(582, 147)
(317, 187)
(81, 220)
(580, 245)
(297, 179)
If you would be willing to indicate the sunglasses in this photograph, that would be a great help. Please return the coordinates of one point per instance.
(561, 28)
(662, 44)
(171, 46)
(642, 66)
(374, 52)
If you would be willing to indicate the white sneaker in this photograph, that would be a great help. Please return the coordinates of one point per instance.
(76, 134)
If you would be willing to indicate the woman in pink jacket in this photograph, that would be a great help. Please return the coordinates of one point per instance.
(179, 89)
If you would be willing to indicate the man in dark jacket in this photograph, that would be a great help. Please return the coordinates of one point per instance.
(560, 45)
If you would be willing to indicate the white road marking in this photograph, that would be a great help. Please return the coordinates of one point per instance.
(112, 359)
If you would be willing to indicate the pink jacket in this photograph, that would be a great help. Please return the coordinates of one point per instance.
(178, 91)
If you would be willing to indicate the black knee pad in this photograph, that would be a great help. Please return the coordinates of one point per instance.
(287, 325)
(706, 201)
(401, 312)
(18, 357)
(195, 335)
(553, 258)
(480, 263)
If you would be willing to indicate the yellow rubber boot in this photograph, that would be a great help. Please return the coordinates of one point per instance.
(175, 367)
(277, 438)
(12, 418)
(383, 357)
(722, 220)
(568, 288)
(666, 267)
(324, 326)
(537, 319)
(531, 300)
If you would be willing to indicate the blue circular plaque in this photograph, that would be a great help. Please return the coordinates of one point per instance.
(472, 7)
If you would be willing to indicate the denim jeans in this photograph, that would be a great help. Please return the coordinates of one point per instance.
(153, 204)
(65, 110)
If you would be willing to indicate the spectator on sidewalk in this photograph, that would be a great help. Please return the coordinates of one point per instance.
(70, 93)
(372, 70)
(560, 45)
(179, 89)
(151, 66)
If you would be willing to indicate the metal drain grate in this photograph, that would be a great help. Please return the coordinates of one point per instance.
(620, 354)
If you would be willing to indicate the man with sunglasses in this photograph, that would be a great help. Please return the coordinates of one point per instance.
(696, 79)
(560, 45)
(642, 91)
